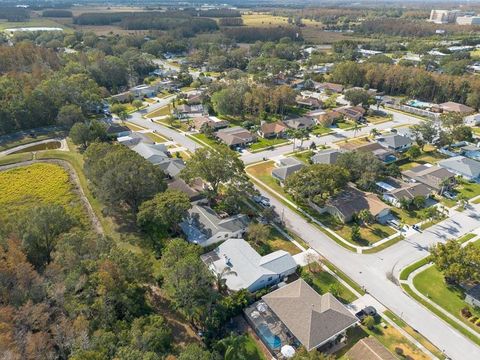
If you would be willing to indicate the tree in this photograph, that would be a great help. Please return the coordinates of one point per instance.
(69, 115)
(195, 352)
(121, 177)
(220, 281)
(425, 132)
(366, 217)
(216, 166)
(258, 233)
(120, 110)
(458, 263)
(374, 132)
(303, 354)
(364, 168)
(369, 322)
(462, 133)
(316, 183)
(414, 152)
(234, 347)
(40, 228)
(137, 104)
(151, 334)
(83, 134)
(355, 235)
(187, 281)
(357, 97)
(162, 214)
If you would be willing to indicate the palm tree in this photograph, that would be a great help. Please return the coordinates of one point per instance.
(374, 132)
(356, 127)
(220, 281)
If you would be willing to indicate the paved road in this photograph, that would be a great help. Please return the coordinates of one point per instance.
(371, 270)
(398, 120)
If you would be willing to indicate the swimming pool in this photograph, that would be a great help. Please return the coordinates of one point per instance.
(272, 341)
(419, 104)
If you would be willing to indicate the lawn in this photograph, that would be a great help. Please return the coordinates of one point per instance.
(324, 282)
(430, 283)
(369, 234)
(409, 217)
(344, 124)
(28, 139)
(162, 111)
(11, 159)
(304, 156)
(25, 187)
(263, 20)
(321, 130)
(175, 123)
(468, 190)
(378, 119)
(262, 143)
(263, 172)
(275, 242)
(253, 352)
(384, 245)
(204, 139)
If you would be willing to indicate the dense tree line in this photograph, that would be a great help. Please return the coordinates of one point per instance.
(230, 21)
(14, 13)
(187, 26)
(57, 13)
(252, 34)
(414, 82)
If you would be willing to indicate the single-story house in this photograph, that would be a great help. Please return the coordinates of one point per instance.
(117, 130)
(235, 136)
(349, 202)
(435, 177)
(189, 111)
(472, 120)
(158, 155)
(451, 106)
(144, 90)
(472, 296)
(211, 121)
(379, 151)
(326, 86)
(395, 142)
(354, 113)
(286, 167)
(369, 348)
(315, 321)
(328, 118)
(193, 191)
(204, 227)
(463, 166)
(300, 123)
(246, 268)
(123, 97)
(395, 191)
(271, 130)
(308, 102)
(329, 156)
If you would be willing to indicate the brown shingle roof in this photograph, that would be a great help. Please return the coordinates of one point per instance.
(451, 106)
(312, 318)
(273, 128)
(369, 349)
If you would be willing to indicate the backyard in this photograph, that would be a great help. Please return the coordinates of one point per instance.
(431, 283)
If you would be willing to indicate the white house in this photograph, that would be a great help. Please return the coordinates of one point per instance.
(472, 120)
(244, 268)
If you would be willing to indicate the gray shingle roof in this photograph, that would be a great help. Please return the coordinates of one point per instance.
(157, 154)
(462, 165)
(311, 317)
(395, 141)
(326, 156)
(283, 172)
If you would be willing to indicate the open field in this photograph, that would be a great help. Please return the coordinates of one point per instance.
(24, 187)
(263, 20)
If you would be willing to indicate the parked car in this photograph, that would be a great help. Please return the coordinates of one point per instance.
(367, 311)
(449, 195)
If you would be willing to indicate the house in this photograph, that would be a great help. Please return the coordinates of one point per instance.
(235, 136)
(123, 97)
(143, 90)
(462, 166)
(394, 191)
(184, 111)
(329, 118)
(286, 167)
(205, 227)
(349, 202)
(472, 120)
(246, 268)
(369, 348)
(451, 106)
(158, 155)
(331, 87)
(211, 121)
(354, 113)
(395, 142)
(300, 123)
(272, 130)
(193, 191)
(472, 296)
(383, 154)
(296, 315)
(435, 177)
(117, 130)
(329, 156)
(308, 102)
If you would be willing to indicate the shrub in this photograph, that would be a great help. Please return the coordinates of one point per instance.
(466, 312)
(399, 351)
(473, 319)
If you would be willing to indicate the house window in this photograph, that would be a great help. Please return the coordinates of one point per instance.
(270, 278)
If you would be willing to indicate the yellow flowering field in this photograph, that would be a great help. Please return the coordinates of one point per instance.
(23, 187)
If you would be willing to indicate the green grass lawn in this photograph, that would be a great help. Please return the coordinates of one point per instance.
(262, 143)
(321, 130)
(344, 124)
(384, 245)
(205, 139)
(469, 190)
(275, 242)
(409, 217)
(369, 234)
(163, 111)
(430, 283)
(14, 158)
(251, 347)
(174, 123)
(324, 282)
(263, 172)
(304, 156)
(412, 267)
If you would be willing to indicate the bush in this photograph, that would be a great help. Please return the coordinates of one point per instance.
(466, 313)
(473, 319)
(399, 351)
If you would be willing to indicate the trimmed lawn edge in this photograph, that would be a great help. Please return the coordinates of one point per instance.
(405, 273)
(385, 245)
(439, 314)
(343, 276)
